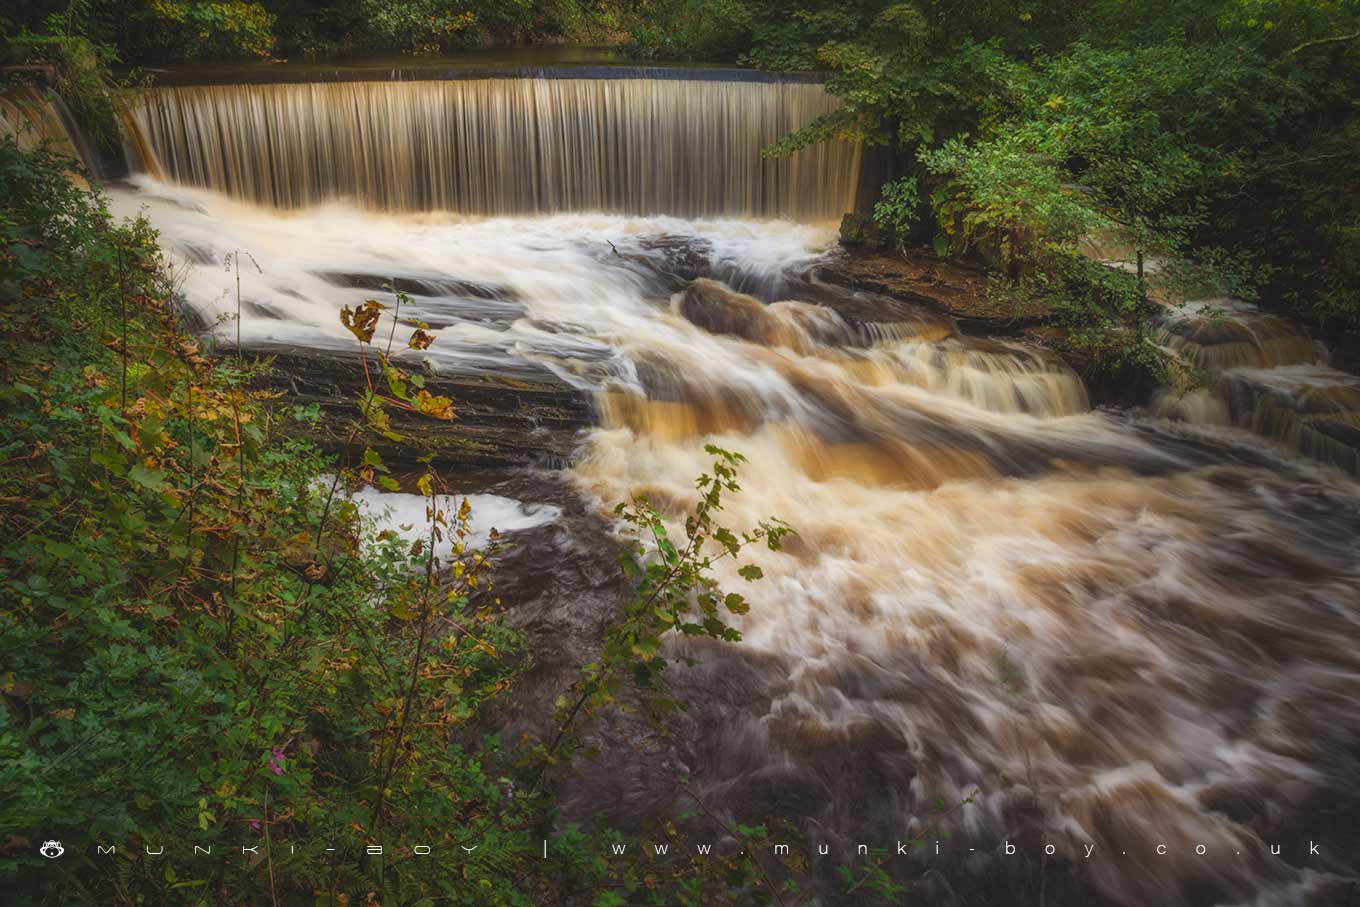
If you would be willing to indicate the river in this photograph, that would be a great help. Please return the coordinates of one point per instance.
(1125, 634)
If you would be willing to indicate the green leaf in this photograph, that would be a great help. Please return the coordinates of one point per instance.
(111, 459)
(153, 479)
(374, 459)
(725, 538)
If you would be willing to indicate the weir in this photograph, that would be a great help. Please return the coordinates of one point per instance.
(686, 147)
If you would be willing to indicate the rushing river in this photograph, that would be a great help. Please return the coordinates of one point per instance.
(1121, 633)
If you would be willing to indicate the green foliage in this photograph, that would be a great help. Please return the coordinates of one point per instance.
(193, 648)
(83, 79)
(422, 26)
(898, 206)
(1102, 314)
(160, 30)
(1111, 142)
(1198, 134)
(207, 29)
(703, 29)
(155, 31)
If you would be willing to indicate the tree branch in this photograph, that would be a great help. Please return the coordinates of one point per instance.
(1335, 39)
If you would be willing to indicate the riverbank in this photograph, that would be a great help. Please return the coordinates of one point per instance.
(186, 581)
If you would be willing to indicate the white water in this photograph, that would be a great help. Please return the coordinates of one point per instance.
(1265, 375)
(1118, 639)
(407, 515)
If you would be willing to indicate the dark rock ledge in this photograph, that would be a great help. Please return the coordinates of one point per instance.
(921, 278)
(503, 421)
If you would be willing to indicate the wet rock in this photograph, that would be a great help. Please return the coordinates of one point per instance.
(662, 264)
(819, 316)
(1265, 374)
(680, 256)
(562, 587)
(502, 420)
(1223, 334)
(667, 264)
(879, 317)
(1312, 409)
(720, 310)
(859, 230)
(442, 312)
(921, 278)
(197, 253)
(433, 285)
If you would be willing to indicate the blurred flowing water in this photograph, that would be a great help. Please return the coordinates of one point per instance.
(688, 147)
(1120, 630)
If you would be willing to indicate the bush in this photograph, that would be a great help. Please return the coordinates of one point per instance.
(197, 642)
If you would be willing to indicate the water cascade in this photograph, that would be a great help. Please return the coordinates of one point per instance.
(1263, 374)
(501, 146)
(1104, 627)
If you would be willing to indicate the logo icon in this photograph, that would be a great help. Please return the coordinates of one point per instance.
(52, 849)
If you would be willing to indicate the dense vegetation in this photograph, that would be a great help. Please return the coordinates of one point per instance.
(1215, 137)
(152, 31)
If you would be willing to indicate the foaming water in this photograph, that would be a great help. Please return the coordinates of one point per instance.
(407, 515)
(506, 146)
(1223, 334)
(1118, 638)
(1265, 375)
(1311, 409)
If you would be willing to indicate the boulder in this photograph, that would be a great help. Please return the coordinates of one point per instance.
(718, 309)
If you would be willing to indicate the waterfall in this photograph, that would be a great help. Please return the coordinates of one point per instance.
(1264, 374)
(504, 146)
(1127, 635)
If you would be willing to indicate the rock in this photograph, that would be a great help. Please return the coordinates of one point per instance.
(921, 278)
(877, 316)
(820, 315)
(432, 285)
(859, 230)
(562, 587)
(503, 421)
(1309, 408)
(719, 309)
(1224, 333)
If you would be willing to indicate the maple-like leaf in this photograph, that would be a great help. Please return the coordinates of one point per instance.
(363, 321)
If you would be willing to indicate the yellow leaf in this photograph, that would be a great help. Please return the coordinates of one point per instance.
(433, 406)
(363, 321)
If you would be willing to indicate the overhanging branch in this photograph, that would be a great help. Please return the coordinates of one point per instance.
(1336, 39)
